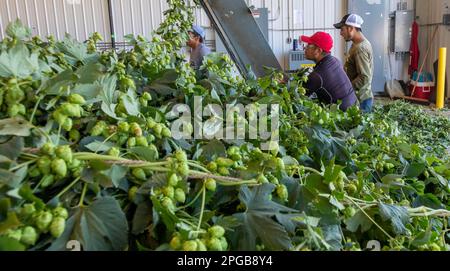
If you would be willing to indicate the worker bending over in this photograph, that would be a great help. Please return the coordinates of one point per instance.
(328, 80)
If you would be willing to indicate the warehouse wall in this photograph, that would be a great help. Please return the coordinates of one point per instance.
(290, 18)
(430, 14)
(57, 17)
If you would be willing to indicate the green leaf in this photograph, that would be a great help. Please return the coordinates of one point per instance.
(131, 104)
(18, 62)
(15, 126)
(332, 172)
(212, 150)
(27, 194)
(75, 51)
(9, 244)
(101, 226)
(89, 73)
(108, 83)
(90, 92)
(415, 170)
(333, 236)
(18, 31)
(109, 109)
(13, 179)
(357, 221)
(314, 183)
(12, 148)
(11, 222)
(428, 200)
(116, 174)
(142, 217)
(168, 218)
(145, 153)
(53, 85)
(98, 146)
(260, 211)
(398, 216)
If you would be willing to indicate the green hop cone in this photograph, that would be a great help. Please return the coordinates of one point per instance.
(190, 245)
(211, 184)
(114, 152)
(181, 156)
(132, 193)
(29, 236)
(14, 234)
(166, 132)
(201, 246)
(47, 181)
(180, 196)
(76, 99)
(212, 166)
(27, 210)
(224, 162)
(135, 129)
(65, 153)
(176, 243)
(282, 192)
(74, 135)
(131, 142)
(141, 141)
(139, 174)
(60, 212)
(216, 231)
(123, 127)
(99, 128)
(214, 244)
(71, 110)
(43, 221)
(44, 165)
(59, 167)
(173, 180)
(67, 125)
(168, 191)
(48, 149)
(57, 227)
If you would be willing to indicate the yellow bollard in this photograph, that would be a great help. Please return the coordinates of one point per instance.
(441, 78)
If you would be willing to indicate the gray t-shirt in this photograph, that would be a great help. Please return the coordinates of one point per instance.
(198, 54)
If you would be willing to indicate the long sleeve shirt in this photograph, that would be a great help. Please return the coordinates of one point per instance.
(359, 68)
(197, 56)
(330, 83)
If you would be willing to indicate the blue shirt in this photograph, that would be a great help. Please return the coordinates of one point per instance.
(331, 84)
(198, 54)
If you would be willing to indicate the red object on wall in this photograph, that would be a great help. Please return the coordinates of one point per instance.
(414, 50)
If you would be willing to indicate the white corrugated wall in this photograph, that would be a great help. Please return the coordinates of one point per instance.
(57, 17)
(289, 18)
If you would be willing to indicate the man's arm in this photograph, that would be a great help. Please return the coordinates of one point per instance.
(312, 84)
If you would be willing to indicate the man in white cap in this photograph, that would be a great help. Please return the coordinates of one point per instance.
(359, 65)
(199, 50)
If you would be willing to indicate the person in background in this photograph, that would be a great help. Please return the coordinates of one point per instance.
(359, 65)
(328, 79)
(199, 50)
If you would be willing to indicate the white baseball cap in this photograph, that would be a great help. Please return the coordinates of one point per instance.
(350, 20)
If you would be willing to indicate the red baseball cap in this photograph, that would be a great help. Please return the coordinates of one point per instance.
(322, 40)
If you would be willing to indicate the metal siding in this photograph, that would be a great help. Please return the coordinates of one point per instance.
(143, 16)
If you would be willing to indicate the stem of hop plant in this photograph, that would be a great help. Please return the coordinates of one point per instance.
(68, 187)
(23, 165)
(371, 219)
(203, 206)
(35, 108)
(83, 193)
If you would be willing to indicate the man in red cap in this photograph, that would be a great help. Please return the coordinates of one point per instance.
(328, 81)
